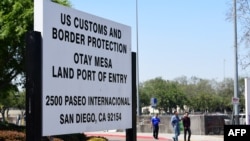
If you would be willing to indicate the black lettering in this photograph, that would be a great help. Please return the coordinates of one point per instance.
(106, 45)
(66, 119)
(95, 100)
(114, 116)
(86, 74)
(117, 78)
(85, 117)
(52, 100)
(84, 59)
(65, 19)
(62, 72)
(102, 117)
(75, 100)
(116, 33)
(54, 33)
(103, 62)
(68, 36)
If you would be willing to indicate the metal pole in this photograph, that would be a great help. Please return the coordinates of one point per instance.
(236, 106)
(137, 61)
(131, 133)
(33, 86)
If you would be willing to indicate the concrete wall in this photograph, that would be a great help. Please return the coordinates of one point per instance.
(200, 124)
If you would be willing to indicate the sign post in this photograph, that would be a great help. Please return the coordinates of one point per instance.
(153, 102)
(33, 86)
(131, 133)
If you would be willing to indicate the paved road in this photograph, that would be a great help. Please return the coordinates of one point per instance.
(121, 136)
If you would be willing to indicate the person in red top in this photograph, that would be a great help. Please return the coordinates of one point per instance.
(186, 124)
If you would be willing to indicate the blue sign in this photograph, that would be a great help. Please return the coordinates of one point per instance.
(153, 102)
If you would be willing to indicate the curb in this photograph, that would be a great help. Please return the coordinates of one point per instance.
(148, 136)
(123, 136)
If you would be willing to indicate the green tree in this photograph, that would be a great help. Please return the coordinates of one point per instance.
(173, 97)
(167, 93)
(16, 18)
(150, 89)
(20, 100)
(197, 94)
(201, 93)
(242, 93)
(144, 96)
(13, 99)
(7, 101)
(226, 92)
(204, 96)
(205, 102)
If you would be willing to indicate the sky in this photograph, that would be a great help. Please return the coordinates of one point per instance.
(175, 38)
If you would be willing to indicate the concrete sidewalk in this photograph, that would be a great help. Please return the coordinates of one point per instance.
(121, 136)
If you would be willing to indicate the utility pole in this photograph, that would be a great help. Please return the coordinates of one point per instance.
(236, 91)
(137, 62)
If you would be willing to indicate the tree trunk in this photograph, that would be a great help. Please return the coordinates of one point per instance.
(3, 115)
(7, 112)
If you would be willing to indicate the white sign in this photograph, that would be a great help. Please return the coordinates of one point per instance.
(235, 100)
(86, 71)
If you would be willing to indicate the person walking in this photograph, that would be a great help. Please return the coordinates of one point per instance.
(175, 123)
(186, 124)
(155, 125)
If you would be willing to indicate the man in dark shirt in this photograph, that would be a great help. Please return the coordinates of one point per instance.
(186, 124)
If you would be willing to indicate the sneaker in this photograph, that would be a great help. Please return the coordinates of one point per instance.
(173, 139)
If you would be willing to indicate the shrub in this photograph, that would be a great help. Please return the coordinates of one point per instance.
(12, 132)
(12, 136)
(92, 138)
(72, 137)
(11, 127)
